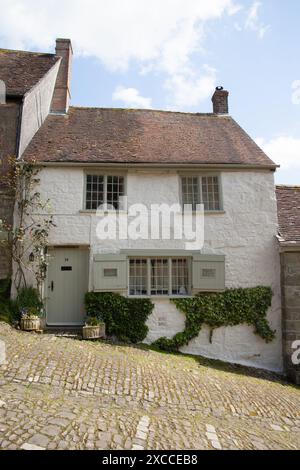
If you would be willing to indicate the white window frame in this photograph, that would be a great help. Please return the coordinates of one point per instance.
(200, 191)
(105, 177)
(170, 287)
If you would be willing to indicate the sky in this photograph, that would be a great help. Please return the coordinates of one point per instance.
(171, 54)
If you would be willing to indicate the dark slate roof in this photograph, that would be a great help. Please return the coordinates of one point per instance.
(288, 205)
(96, 135)
(21, 70)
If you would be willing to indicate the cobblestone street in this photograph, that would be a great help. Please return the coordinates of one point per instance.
(63, 393)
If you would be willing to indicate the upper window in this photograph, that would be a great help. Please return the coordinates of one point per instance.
(159, 276)
(103, 189)
(201, 189)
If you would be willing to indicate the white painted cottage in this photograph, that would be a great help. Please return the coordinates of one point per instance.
(91, 156)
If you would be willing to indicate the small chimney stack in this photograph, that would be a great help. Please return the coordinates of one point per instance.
(220, 101)
(61, 95)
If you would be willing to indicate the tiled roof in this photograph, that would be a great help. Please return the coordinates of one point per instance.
(21, 70)
(96, 135)
(288, 204)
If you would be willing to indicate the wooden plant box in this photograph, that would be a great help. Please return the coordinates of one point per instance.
(30, 324)
(93, 332)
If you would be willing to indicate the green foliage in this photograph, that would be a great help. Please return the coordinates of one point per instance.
(27, 302)
(34, 221)
(5, 288)
(232, 307)
(93, 321)
(5, 303)
(123, 317)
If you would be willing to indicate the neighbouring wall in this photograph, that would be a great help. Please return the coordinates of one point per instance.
(244, 232)
(290, 276)
(9, 119)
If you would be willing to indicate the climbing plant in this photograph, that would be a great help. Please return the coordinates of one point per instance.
(124, 317)
(27, 238)
(231, 307)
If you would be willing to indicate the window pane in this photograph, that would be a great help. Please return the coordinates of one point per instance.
(138, 277)
(94, 191)
(190, 191)
(159, 276)
(180, 277)
(115, 189)
(210, 193)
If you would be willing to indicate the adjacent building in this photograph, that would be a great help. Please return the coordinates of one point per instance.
(288, 202)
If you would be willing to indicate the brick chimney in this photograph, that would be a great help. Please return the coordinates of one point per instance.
(220, 101)
(61, 95)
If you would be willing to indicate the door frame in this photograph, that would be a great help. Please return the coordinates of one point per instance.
(86, 248)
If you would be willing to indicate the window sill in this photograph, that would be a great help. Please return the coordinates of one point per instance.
(94, 212)
(159, 297)
(221, 211)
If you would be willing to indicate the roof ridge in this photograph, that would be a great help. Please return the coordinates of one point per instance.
(146, 110)
(288, 186)
(12, 51)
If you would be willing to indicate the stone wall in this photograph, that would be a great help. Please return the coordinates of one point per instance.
(290, 275)
(9, 121)
(6, 213)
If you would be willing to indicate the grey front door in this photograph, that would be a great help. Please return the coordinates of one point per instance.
(67, 282)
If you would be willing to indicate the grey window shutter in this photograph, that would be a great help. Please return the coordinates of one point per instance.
(110, 273)
(208, 273)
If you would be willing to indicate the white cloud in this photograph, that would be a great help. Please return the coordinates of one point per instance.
(253, 22)
(283, 150)
(296, 92)
(116, 31)
(157, 35)
(131, 98)
(188, 89)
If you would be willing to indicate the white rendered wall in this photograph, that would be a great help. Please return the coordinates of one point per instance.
(36, 107)
(245, 233)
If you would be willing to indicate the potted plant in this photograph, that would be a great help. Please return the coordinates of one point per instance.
(30, 320)
(94, 328)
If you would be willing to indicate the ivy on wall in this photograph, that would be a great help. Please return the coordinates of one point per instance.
(124, 318)
(231, 307)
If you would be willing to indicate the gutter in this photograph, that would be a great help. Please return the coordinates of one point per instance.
(190, 166)
(289, 247)
(285, 246)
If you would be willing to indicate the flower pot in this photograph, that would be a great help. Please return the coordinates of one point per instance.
(30, 324)
(93, 332)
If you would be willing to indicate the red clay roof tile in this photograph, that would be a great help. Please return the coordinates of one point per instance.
(288, 205)
(21, 70)
(96, 135)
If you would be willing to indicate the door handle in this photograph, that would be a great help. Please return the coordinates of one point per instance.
(52, 286)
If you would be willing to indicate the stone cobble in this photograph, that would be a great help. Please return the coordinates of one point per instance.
(62, 393)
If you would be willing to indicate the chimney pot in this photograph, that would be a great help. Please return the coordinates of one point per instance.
(220, 100)
(61, 95)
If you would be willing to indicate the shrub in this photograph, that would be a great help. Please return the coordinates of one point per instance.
(93, 321)
(125, 318)
(28, 299)
(5, 303)
(232, 307)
